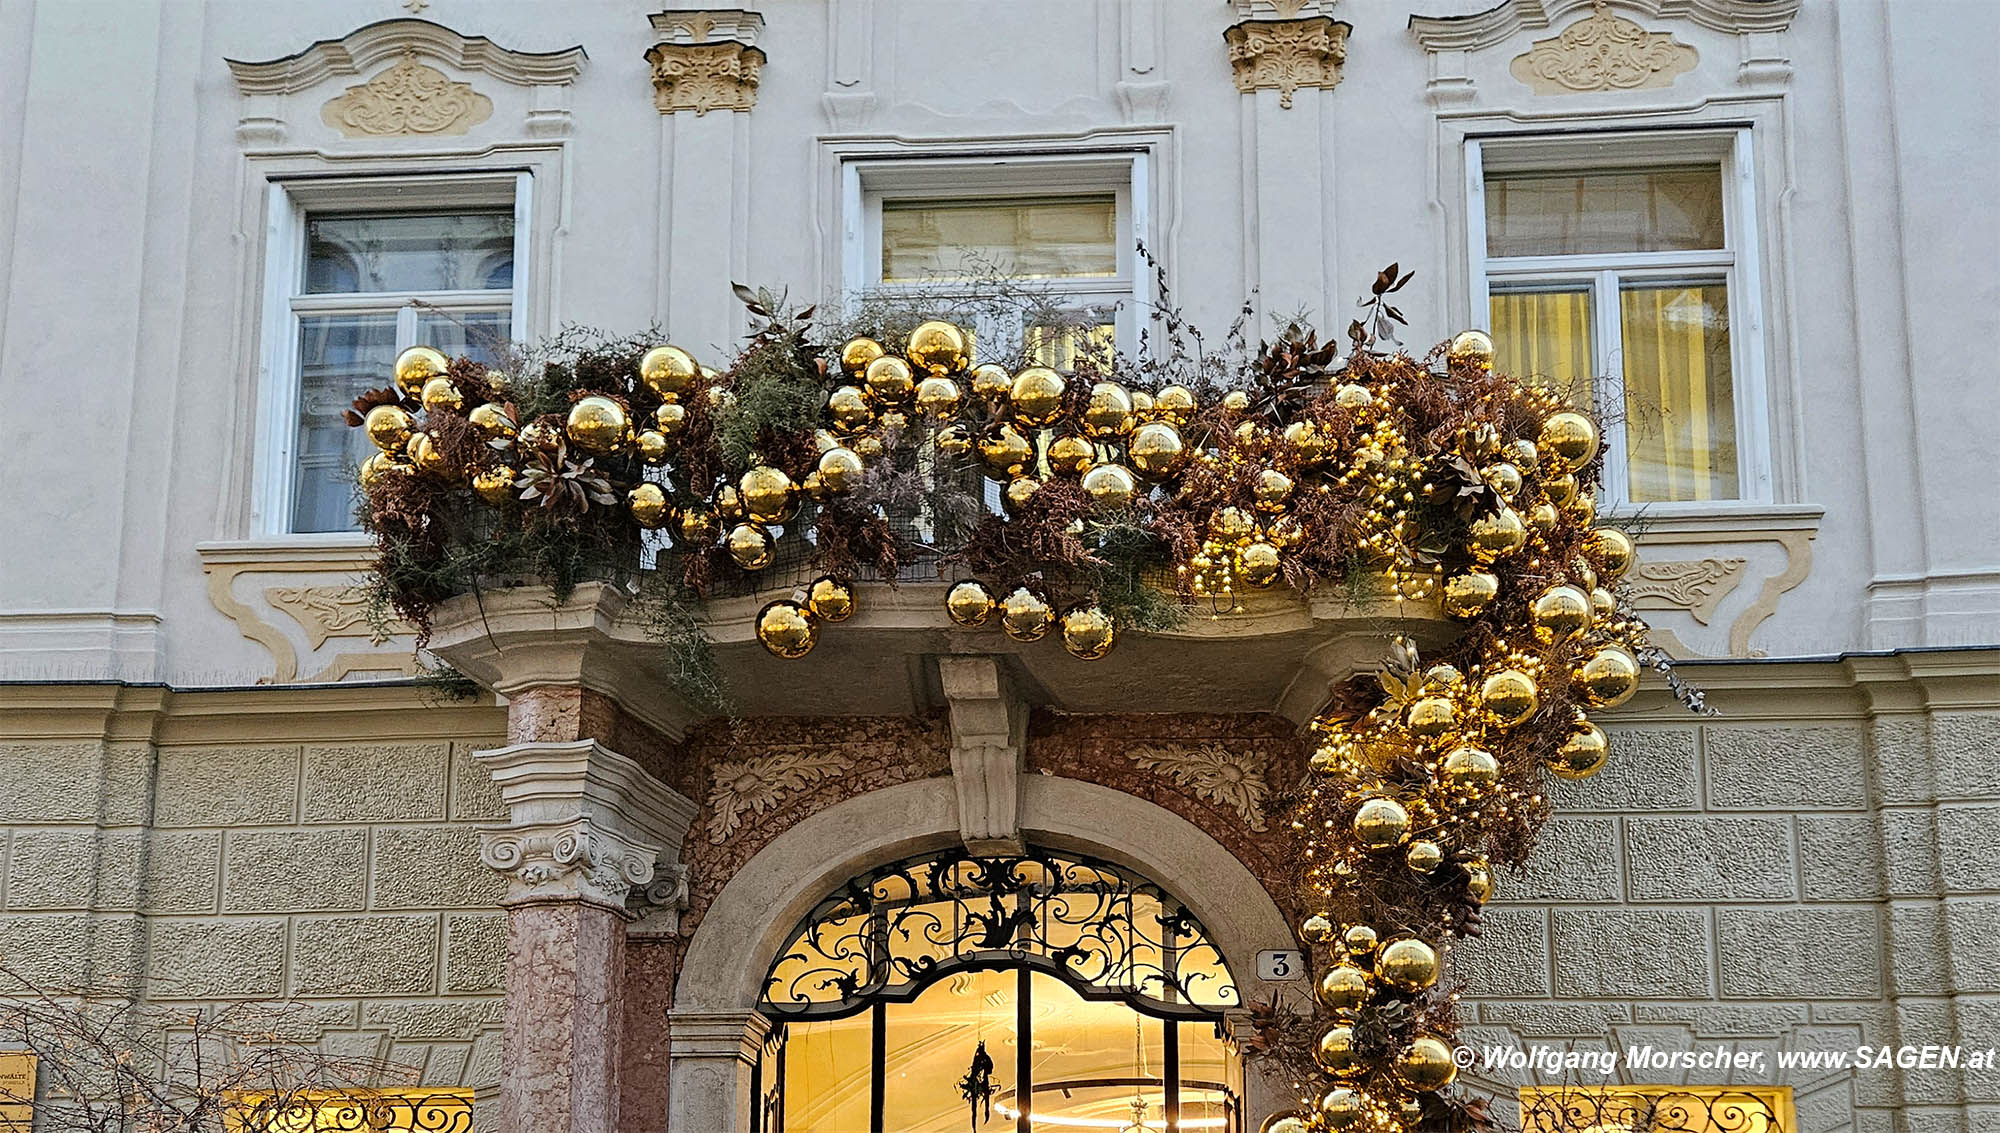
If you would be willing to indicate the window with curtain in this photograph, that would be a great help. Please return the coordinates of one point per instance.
(1615, 287)
(371, 285)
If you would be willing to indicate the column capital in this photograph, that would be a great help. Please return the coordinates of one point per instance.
(1287, 54)
(706, 60)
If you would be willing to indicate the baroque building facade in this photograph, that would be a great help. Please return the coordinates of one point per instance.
(1750, 228)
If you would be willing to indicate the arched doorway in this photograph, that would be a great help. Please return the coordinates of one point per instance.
(1094, 995)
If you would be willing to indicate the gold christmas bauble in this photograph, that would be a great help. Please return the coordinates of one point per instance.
(1335, 1052)
(937, 348)
(1495, 535)
(1584, 510)
(537, 436)
(954, 440)
(597, 424)
(1232, 525)
(1561, 490)
(418, 365)
(1559, 612)
(1142, 405)
(868, 447)
(1358, 939)
(991, 381)
(1285, 1123)
(1108, 413)
(1509, 697)
(1431, 716)
(938, 396)
(888, 379)
(1343, 987)
(830, 599)
(1285, 531)
(1467, 595)
(670, 418)
(648, 505)
(1155, 448)
(1407, 964)
(1260, 563)
(787, 630)
(720, 397)
(1342, 1108)
(1004, 451)
(1479, 880)
(1026, 615)
(1018, 492)
(840, 470)
(1175, 404)
(440, 394)
(1424, 857)
(389, 427)
(1087, 632)
(1568, 439)
(1307, 443)
(697, 527)
(1472, 348)
(728, 503)
(1542, 518)
(968, 603)
(1273, 489)
(814, 487)
(1582, 754)
(1110, 486)
(1071, 455)
(1614, 552)
(1603, 606)
(1381, 824)
(1411, 1110)
(1352, 396)
(750, 545)
(1503, 478)
(1609, 677)
(491, 421)
(1316, 929)
(1523, 454)
(849, 408)
(1426, 1064)
(767, 493)
(1443, 677)
(1037, 396)
(424, 455)
(1470, 768)
(1236, 401)
(855, 356)
(669, 371)
(653, 446)
(494, 485)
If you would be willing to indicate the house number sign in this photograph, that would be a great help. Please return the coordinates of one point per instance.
(1278, 964)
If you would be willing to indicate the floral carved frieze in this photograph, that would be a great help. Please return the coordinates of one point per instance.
(1696, 586)
(748, 787)
(1602, 52)
(1286, 55)
(1228, 777)
(408, 99)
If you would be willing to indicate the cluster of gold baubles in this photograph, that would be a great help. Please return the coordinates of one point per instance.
(1368, 968)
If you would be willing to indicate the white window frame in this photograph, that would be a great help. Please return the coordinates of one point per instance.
(290, 201)
(1736, 264)
(867, 182)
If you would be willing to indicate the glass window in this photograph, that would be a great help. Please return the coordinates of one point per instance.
(424, 252)
(1565, 214)
(1063, 238)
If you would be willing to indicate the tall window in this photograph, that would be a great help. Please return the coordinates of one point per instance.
(1625, 285)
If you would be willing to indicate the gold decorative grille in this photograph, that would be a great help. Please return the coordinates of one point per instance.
(355, 1111)
(1657, 1109)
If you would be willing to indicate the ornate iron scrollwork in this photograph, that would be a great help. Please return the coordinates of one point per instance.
(1653, 1110)
(359, 1111)
(1106, 932)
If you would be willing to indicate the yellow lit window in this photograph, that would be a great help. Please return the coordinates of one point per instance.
(1060, 347)
(1058, 238)
(413, 1110)
(1645, 1109)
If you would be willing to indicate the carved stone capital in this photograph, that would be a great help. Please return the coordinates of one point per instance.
(1287, 54)
(656, 905)
(989, 725)
(585, 824)
(706, 60)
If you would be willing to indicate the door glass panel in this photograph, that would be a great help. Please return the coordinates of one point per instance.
(1207, 1100)
(1097, 1064)
(828, 1075)
(1067, 238)
(427, 252)
(1543, 336)
(930, 1044)
(1561, 214)
(340, 358)
(1680, 408)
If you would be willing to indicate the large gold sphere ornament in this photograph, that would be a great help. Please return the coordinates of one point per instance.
(1479, 880)
(830, 599)
(1614, 552)
(728, 503)
(1307, 443)
(1523, 454)
(1004, 452)
(1431, 716)
(751, 546)
(1472, 348)
(418, 365)
(1603, 607)
(1503, 478)
(1582, 754)
(1609, 677)
(1352, 396)
(1155, 448)
(1260, 563)
(1026, 615)
(670, 418)
(381, 468)
(1235, 401)
(1335, 1052)
(991, 381)
(1569, 439)
(849, 408)
(1272, 490)
(1342, 1108)
(440, 394)
(1108, 413)
(648, 505)
(1018, 492)
(1495, 535)
(1543, 518)
(1110, 486)
(787, 630)
(767, 493)
(1343, 987)
(889, 379)
(857, 354)
(938, 397)
(1381, 824)
(1561, 490)
(1411, 1110)
(1087, 632)
(1509, 697)
(388, 426)
(1358, 939)
(425, 456)
(954, 440)
(697, 527)
(1424, 857)
(1071, 455)
(597, 424)
(840, 470)
(1407, 964)
(496, 485)
(1470, 768)
(937, 348)
(491, 421)
(1175, 404)
(670, 372)
(1426, 1064)
(1232, 525)
(653, 446)
(1559, 612)
(1285, 1123)
(1037, 396)
(969, 603)
(1467, 595)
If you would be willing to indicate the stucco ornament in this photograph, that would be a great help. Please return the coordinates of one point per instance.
(753, 786)
(1287, 54)
(705, 76)
(1600, 52)
(1695, 586)
(1233, 779)
(327, 611)
(408, 98)
(569, 862)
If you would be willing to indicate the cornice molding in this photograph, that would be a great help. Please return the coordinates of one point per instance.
(1477, 30)
(365, 46)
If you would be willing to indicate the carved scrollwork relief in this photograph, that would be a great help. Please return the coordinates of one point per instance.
(1696, 587)
(569, 861)
(705, 76)
(1603, 51)
(1287, 54)
(745, 787)
(321, 599)
(407, 99)
(1228, 777)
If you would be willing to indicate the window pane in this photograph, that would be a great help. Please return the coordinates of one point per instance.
(1544, 337)
(340, 357)
(827, 1078)
(928, 1047)
(478, 335)
(1060, 347)
(1680, 409)
(430, 252)
(1071, 238)
(1661, 210)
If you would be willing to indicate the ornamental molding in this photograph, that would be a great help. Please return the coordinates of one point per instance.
(740, 788)
(1696, 586)
(656, 906)
(407, 99)
(366, 46)
(317, 600)
(1658, 585)
(1231, 779)
(706, 60)
(1479, 30)
(1603, 51)
(989, 728)
(327, 611)
(584, 824)
(1286, 55)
